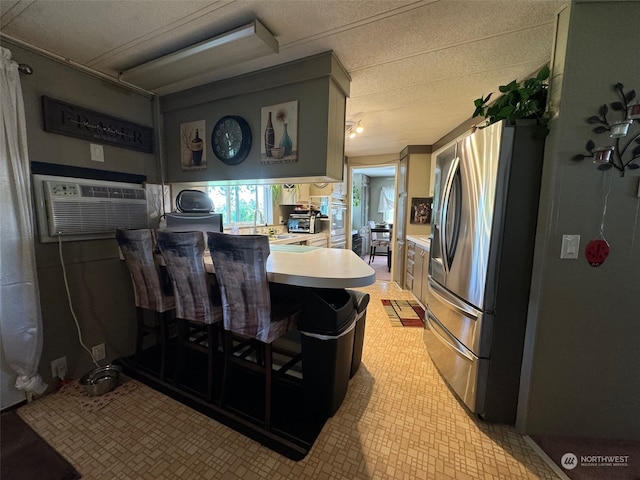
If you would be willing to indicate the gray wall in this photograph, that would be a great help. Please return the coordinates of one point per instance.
(320, 86)
(99, 282)
(582, 360)
(374, 196)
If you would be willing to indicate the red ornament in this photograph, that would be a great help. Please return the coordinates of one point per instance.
(597, 252)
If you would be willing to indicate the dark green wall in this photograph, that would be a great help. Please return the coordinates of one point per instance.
(99, 282)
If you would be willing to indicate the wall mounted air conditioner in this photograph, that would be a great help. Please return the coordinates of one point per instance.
(82, 209)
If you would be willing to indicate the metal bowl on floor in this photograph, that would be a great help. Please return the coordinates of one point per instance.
(101, 380)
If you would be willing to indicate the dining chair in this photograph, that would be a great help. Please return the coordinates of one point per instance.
(151, 289)
(251, 310)
(377, 241)
(198, 306)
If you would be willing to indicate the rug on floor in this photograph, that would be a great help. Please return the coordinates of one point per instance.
(404, 313)
(592, 459)
(24, 455)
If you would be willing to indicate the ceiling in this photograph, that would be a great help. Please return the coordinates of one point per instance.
(416, 66)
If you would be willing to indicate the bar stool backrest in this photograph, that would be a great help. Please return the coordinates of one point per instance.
(150, 292)
(183, 253)
(240, 262)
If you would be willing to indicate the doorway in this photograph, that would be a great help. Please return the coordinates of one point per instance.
(373, 193)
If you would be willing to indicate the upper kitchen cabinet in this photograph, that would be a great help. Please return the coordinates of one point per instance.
(290, 194)
(334, 189)
(417, 160)
(307, 99)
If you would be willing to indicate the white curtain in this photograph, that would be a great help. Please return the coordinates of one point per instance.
(387, 197)
(20, 318)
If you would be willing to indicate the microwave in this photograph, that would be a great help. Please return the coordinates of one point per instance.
(303, 223)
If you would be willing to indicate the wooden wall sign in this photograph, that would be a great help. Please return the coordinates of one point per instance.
(66, 119)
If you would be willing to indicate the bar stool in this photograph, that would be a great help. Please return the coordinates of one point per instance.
(151, 291)
(198, 308)
(251, 311)
(377, 242)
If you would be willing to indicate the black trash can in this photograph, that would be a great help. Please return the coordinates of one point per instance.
(327, 327)
(360, 303)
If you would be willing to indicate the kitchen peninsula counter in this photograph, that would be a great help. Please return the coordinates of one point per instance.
(315, 267)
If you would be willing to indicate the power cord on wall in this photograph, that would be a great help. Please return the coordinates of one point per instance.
(73, 313)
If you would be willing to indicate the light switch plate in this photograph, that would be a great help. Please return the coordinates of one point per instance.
(570, 246)
(97, 152)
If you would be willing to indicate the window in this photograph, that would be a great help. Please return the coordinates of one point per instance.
(238, 203)
(386, 205)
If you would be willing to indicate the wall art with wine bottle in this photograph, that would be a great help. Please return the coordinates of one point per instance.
(279, 129)
(193, 151)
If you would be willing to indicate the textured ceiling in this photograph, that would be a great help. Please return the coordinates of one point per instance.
(416, 66)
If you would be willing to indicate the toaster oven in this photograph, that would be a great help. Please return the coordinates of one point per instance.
(303, 223)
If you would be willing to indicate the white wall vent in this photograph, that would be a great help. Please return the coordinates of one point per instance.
(83, 209)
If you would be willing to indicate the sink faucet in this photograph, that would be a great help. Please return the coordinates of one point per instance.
(255, 220)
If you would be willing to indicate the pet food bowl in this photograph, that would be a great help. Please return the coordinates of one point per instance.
(101, 380)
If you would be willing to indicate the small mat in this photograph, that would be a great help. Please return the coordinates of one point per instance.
(404, 313)
(91, 404)
(24, 455)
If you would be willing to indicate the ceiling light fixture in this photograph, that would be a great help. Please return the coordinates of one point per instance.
(352, 129)
(188, 67)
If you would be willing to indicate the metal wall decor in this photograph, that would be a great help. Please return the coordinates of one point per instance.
(74, 121)
(624, 150)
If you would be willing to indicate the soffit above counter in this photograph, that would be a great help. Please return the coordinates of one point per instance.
(322, 65)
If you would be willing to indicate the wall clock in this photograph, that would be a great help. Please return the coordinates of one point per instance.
(231, 139)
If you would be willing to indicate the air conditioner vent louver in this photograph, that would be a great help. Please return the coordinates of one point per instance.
(81, 209)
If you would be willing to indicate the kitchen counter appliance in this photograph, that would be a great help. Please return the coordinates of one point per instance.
(483, 234)
(303, 223)
(338, 218)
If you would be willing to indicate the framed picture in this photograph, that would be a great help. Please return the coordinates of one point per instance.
(279, 133)
(421, 209)
(193, 152)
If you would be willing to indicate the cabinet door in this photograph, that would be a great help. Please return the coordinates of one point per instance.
(417, 272)
(410, 264)
(424, 297)
(319, 242)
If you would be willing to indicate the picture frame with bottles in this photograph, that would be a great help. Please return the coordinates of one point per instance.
(193, 151)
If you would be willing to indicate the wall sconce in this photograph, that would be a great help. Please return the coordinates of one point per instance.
(351, 129)
(618, 156)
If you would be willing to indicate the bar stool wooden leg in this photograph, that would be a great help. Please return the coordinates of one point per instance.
(181, 327)
(268, 373)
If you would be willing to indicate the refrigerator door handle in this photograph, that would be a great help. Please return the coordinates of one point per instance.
(444, 212)
(445, 337)
(441, 294)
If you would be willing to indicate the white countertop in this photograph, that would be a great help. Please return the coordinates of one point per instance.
(315, 267)
(296, 238)
(423, 241)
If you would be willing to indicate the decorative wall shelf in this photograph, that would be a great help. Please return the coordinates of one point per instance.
(624, 149)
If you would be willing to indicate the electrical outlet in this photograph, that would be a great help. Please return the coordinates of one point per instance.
(59, 367)
(99, 352)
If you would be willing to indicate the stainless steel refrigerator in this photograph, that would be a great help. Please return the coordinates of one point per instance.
(483, 232)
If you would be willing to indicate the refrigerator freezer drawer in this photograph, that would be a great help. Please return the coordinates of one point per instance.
(461, 319)
(457, 364)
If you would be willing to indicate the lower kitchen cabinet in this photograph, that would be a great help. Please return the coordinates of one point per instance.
(417, 270)
(319, 242)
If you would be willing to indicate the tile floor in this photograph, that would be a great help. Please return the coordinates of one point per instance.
(398, 421)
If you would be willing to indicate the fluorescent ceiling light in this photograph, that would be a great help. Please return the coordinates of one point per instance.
(177, 70)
